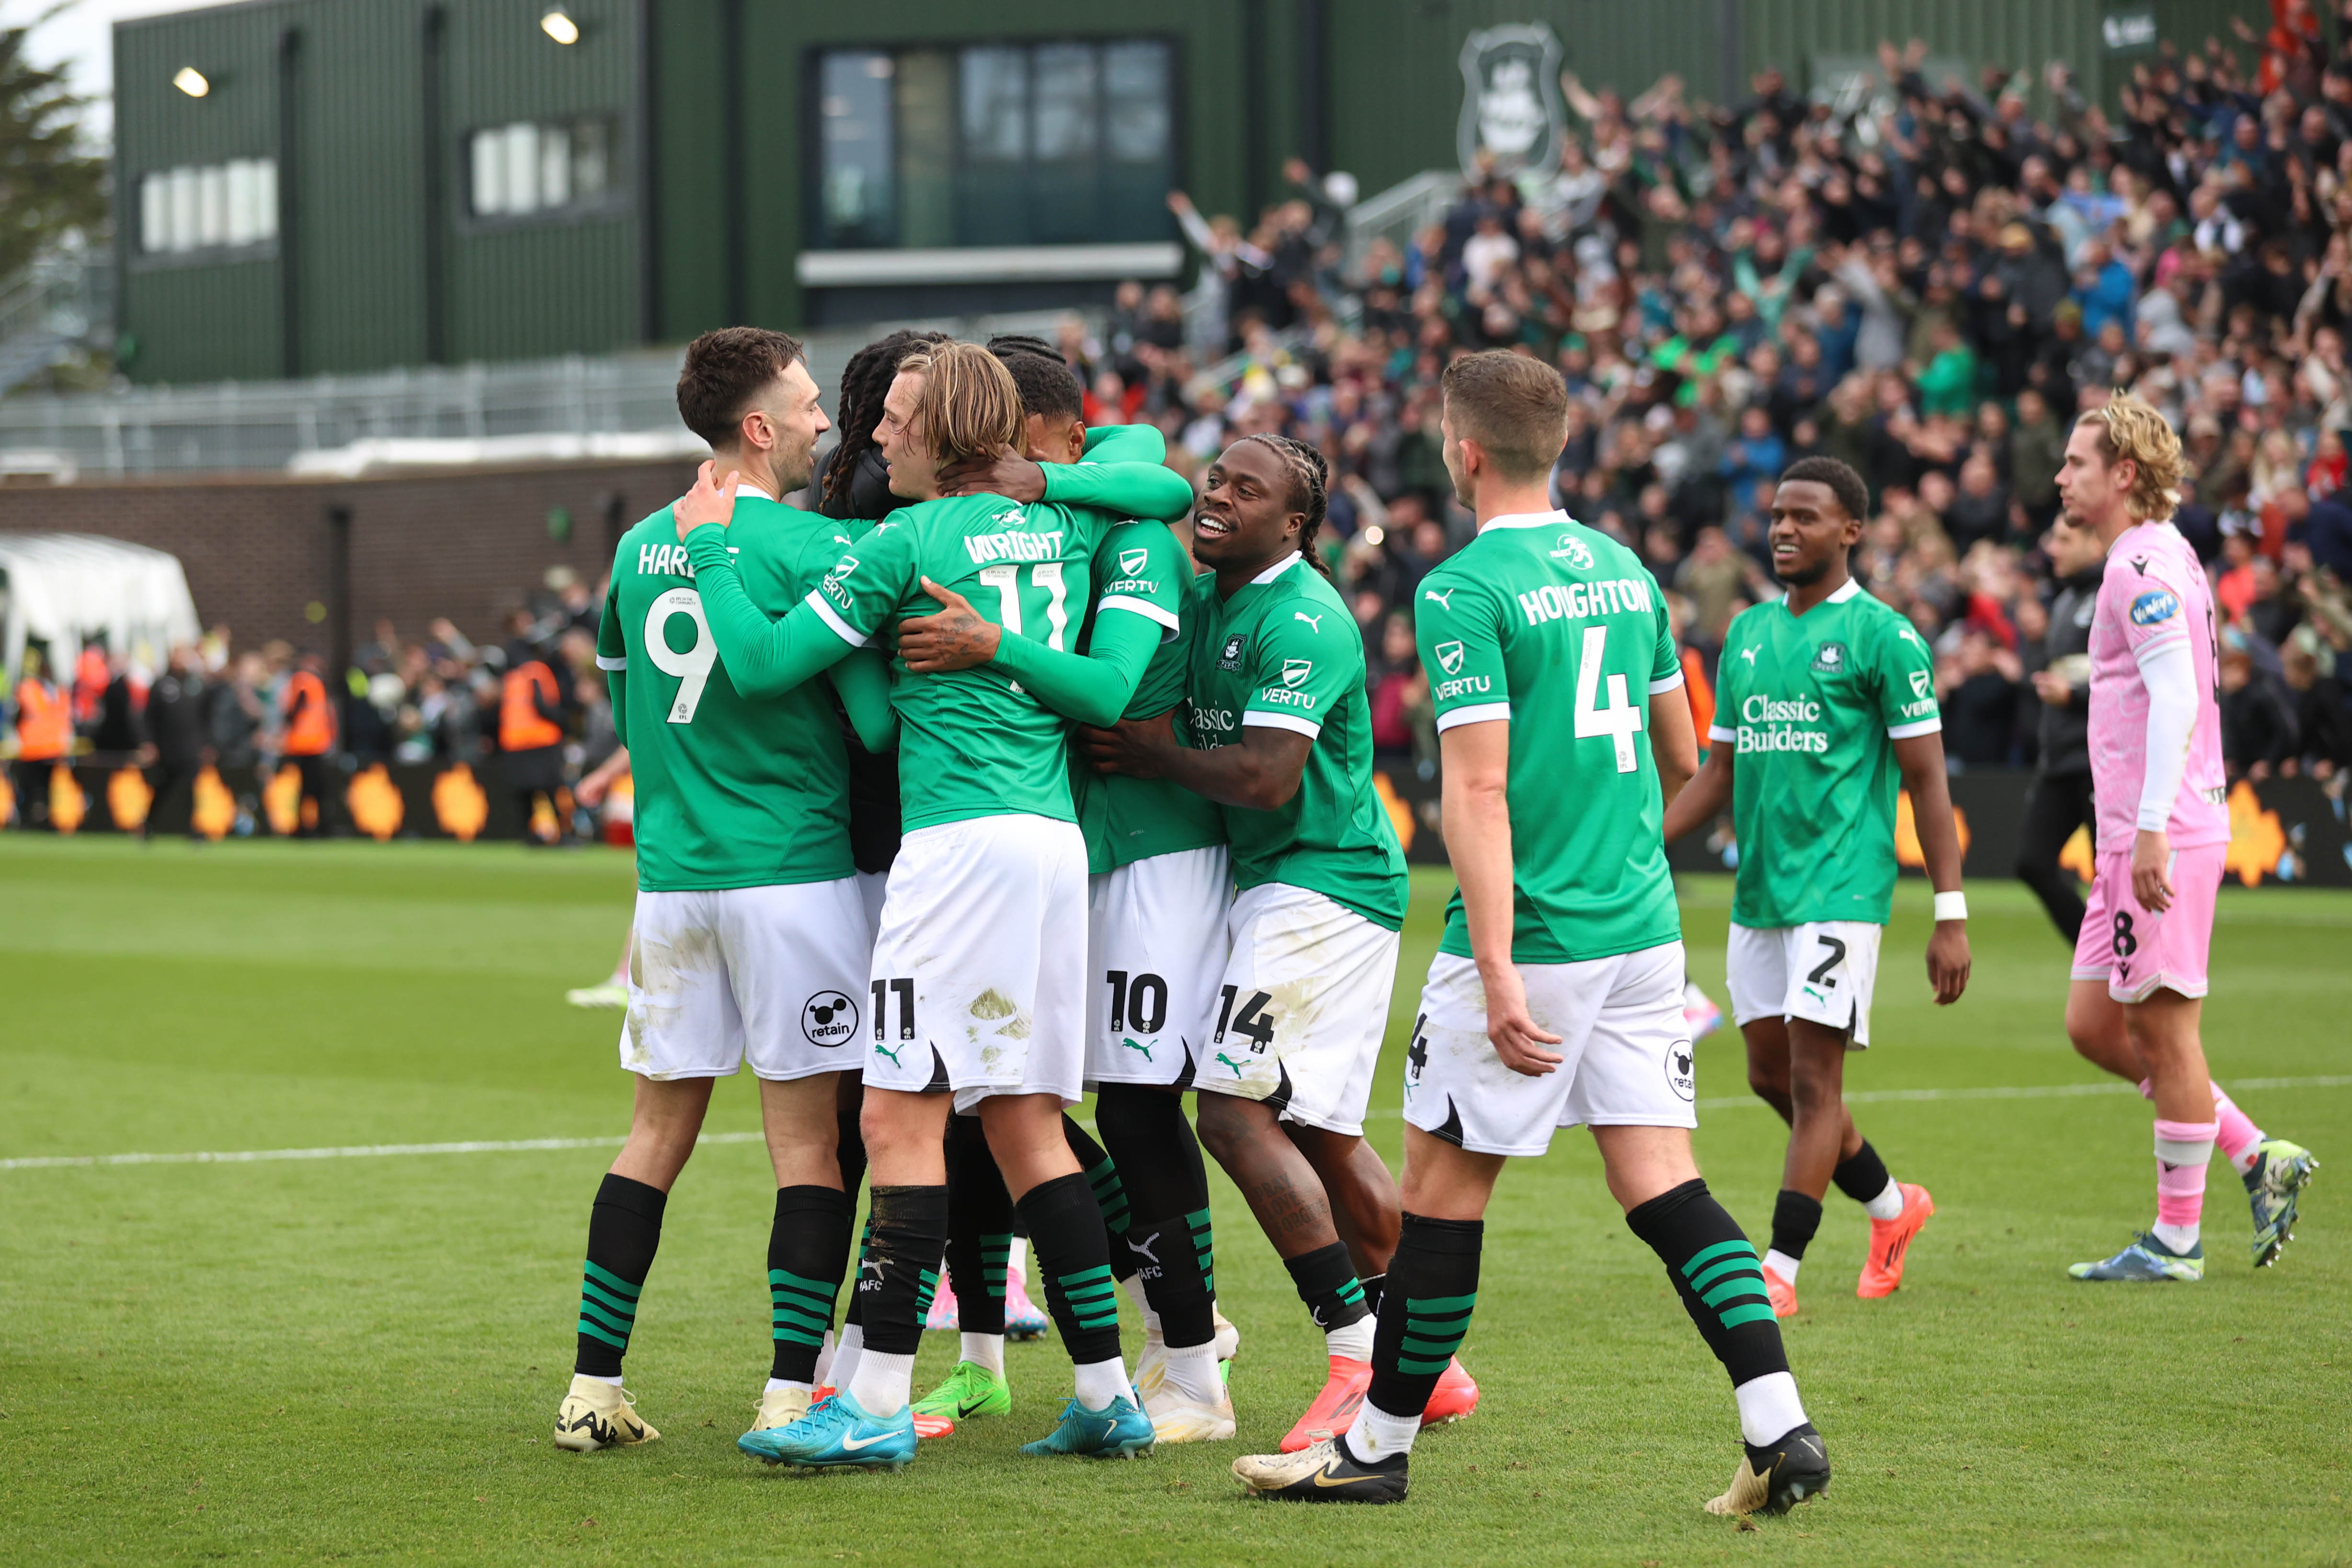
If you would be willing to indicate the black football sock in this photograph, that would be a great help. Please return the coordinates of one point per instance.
(1795, 1217)
(624, 1231)
(979, 1228)
(808, 1252)
(1716, 1271)
(901, 1266)
(1326, 1282)
(1433, 1285)
(1160, 1165)
(1861, 1175)
(1065, 1227)
(1110, 1193)
(1376, 1289)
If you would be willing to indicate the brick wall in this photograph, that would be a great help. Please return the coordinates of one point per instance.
(462, 545)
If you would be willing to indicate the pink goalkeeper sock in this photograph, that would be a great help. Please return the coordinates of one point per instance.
(2183, 1150)
(2238, 1138)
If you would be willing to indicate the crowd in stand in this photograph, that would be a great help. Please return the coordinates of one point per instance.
(437, 698)
(1930, 284)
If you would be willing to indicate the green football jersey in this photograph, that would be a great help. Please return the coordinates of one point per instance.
(730, 791)
(972, 742)
(1143, 570)
(1284, 652)
(1812, 705)
(1561, 632)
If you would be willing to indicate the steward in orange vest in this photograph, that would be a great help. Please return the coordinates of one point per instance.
(309, 741)
(531, 714)
(43, 739)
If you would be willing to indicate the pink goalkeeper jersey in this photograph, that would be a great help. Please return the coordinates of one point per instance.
(2154, 597)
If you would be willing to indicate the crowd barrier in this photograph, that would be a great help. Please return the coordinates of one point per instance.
(2283, 831)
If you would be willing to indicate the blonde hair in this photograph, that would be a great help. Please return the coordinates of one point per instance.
(969, 406)
(2133, 431)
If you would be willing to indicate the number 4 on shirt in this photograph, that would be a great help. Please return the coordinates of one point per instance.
(1621, 720)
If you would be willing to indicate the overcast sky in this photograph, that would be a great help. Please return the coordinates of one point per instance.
(82, 37)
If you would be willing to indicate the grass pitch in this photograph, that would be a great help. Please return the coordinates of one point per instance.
(360, 1358)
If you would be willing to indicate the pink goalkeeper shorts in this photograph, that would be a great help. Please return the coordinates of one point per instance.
(2137, 950)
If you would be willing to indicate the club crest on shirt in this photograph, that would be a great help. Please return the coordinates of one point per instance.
(1829, 659)
(1295, 671)
(1573, 550)
(2156, 605)
(1449, 658)
(1229, 656)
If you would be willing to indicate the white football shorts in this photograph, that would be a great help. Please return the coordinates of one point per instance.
(1303, 1005)
(775, 977)
(1625, 1053)
(1822, 971)
(1156, 946)
(980, 971)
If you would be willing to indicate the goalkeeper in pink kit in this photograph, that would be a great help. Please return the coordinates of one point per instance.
(2140, 974)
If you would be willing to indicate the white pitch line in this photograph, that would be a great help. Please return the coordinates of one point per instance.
(530, 1145)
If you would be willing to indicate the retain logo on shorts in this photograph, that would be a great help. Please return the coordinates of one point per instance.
(2156, 605)
(1682, 1070)
(829, 1019)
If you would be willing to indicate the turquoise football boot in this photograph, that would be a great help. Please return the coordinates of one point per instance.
(1119, 1431)
(837, 1434)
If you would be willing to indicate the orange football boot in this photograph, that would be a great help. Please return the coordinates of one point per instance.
(1890, 1242)
(1334, 1410)
(1455, 1396)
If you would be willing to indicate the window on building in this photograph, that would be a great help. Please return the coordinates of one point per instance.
(993, 144)
(210, 206)
(538, 166)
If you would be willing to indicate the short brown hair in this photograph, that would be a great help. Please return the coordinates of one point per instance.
(1513, 406)
(2131, 429)
(969, 406)
(724, 371)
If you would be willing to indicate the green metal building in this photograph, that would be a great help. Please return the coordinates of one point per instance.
(316, 186)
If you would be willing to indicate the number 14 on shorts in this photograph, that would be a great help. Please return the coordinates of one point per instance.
(1253, 1021)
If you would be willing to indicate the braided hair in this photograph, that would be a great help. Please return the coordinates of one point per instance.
(865, 383)
(1309, 474)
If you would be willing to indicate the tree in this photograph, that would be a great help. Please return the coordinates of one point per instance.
(50, 186)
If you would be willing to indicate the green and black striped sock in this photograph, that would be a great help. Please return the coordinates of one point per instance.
(808, 1252)
(1065, 1227)
(1716, 1271)
(624, 1231)
(1326, 1282)
(1110, 1195)
(1204, 1243)
(1433, 1284)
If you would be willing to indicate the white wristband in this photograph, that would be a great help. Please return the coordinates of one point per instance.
(1951, 906)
